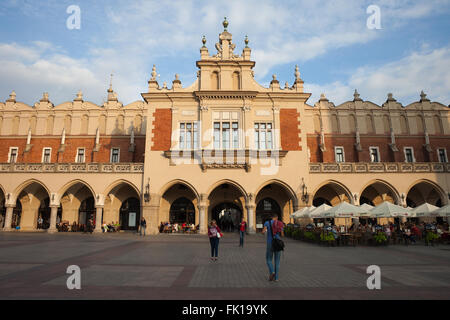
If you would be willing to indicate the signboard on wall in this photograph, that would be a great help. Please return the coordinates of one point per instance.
(132, 219)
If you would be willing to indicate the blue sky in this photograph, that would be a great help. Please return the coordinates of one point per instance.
(329, 40)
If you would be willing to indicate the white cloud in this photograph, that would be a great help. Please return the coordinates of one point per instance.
(405, 78)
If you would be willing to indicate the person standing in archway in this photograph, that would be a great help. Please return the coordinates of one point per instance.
(242, 230)
(214, 234)
(275, 228)
(143, 225)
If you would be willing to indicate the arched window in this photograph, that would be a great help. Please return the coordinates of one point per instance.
(437, 125)
(419, 121)
(68, 124)
(102, 124)
(15, 126)
(386, 126)
(352, 123)
(137, 124)
(236, 81)
(334, 124)
(182, 210)
(369, 123)
(84, 124)
(49, 125)
(403, 125)
(215, 85)
(33, 121)
(316, 123)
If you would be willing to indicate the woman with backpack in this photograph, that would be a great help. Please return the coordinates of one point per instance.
(214, 234)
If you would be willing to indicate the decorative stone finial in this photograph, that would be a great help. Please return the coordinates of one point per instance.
(356, 96)
(110, 84)
(323, 97)
(246, 41)
(297, 73)
(177, 77)
(154, 74)
(44, 97)
(204, 41)
(79, 96)
(274, 77)
(225, 24)
(390, 97)
(12, 97)
(164, 85)
(423, 96)
(286, 85)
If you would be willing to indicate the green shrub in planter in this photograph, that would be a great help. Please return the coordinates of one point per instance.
(431, 236)
(309, 235)
(380, 238)
(326, 237)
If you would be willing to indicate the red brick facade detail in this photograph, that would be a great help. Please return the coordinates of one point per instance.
(70, 151)
(289, 131)
(382, 142)
(162, 129)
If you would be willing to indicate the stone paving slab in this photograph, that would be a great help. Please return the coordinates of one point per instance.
(9, 268)
(131, 276)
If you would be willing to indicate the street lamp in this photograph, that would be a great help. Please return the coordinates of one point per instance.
(147, 191)
(305, 196)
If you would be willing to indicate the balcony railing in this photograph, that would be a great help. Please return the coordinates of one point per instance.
(379, 167)
(72, 167)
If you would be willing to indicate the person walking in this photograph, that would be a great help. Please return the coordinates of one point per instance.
(143, 224)
(274, 229)
(242, 229)
(214, 234)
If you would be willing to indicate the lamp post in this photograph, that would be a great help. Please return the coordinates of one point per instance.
(147, 191)
(305, 196)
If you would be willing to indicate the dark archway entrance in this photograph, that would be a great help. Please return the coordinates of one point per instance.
(265, 209)
(86, 212)
(17, 214)
(182, 211)
(2, 213)
(228, 216)
(44, 213)
(130, 214)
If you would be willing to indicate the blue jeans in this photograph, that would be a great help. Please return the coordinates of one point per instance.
(140, 230)
(241, 238)
(214, 241)
(270, 255)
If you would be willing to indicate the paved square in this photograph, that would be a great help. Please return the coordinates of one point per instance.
(126, 266)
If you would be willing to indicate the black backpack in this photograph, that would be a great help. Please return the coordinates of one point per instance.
(277, 244)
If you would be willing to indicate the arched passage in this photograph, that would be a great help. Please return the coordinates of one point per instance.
(2, 208)
(179, 202)
(331, 193)
(377, 192)
(77, 203)
(425, 191)
(32, 204)
(122, 205)
(226, 205)
(274, 197)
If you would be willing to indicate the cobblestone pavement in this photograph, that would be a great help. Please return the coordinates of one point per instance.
(127, 266)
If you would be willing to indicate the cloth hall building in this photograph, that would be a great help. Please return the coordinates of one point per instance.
(223, 147)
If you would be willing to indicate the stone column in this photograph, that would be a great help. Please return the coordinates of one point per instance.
(203, 213)
(250, 206)
(8, 218)
(150, 212)
(53, 215)
(98, 219)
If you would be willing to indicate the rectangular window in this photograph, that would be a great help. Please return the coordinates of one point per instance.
(80, 155)
(226, 135)
(374, 154)
(263, 136)
(339, 154)
(188, 135)
(442, 155)
(46, 155)
(13, 152)
(409, 154)
(115, 155)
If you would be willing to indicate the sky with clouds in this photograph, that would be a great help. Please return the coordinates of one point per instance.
(329, 40)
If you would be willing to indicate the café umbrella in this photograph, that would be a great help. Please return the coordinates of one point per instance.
(366, 207)
(424, 210)
(441, 212)
(344, 210)
(302, 212)
(317, 213)
(389, 210)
